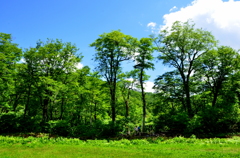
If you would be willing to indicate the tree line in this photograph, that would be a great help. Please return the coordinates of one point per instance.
(42, 90)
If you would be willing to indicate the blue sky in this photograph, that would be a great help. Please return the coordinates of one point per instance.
(81, 21)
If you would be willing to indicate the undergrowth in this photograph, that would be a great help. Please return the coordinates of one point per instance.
(45, 140)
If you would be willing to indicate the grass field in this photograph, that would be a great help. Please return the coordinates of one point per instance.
(172, 148)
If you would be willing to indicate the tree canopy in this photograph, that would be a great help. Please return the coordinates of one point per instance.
(42, 90)
(180, 47)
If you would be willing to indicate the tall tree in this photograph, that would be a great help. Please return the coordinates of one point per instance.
(170, 87)
(180, 47)
(126, 85)
(217, 66)
(49, 64)
(9, 55)
(112, 49)
(143, 62)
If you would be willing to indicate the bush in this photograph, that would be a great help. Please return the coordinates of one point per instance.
(59, 127)
(9, 123)
(28, 124)
(212, 121)
(173, 123)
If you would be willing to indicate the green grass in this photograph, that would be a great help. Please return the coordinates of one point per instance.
(159, 150)
(178, 147)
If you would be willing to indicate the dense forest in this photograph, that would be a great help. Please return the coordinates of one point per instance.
(41, 89)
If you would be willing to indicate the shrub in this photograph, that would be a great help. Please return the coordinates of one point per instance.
(9, 123)
(125, 141)
(59, 127)
(139, 142)
(174, 123)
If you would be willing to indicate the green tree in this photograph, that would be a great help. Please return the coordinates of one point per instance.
(9, 55)
(217, 66)
(180, 47)
(112, 49)
(143, 62)
(96, 94)
(126, 86)
(170, 88)
(49, 64)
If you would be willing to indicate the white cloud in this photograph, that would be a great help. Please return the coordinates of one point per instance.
(22, 60)
(148, 86)
(79, 66)
(151, 24)
(173, 8)
(219, 17)
(153, 27)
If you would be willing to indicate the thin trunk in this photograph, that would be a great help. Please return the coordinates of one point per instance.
(127, 108)
(127, 103)
(144, 101)
(216, 89)
(215, 96)
(28, 100)
(113, 103)
(45, 110)
(95, 112)
(62, 109)
(188, 97)
(15, 104)
(113, 99)
(188, 101)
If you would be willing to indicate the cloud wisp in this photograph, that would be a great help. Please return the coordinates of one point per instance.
(153, 27)
(219, 17)
(172, 9)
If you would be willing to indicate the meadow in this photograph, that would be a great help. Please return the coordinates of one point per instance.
(20, 147)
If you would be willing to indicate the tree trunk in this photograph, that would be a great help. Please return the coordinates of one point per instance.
(95, 112)
(216, 89)
(112, 86)
(127, 108)
(113, 103)
(215, 96)
(62, 109)
(188, 100)
(45, 110)
(28, 100)
(143, 101)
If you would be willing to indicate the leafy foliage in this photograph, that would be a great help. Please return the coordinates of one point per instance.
(43, 90)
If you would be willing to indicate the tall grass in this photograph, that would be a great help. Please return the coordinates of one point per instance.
(149, 147)
(10, 140)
